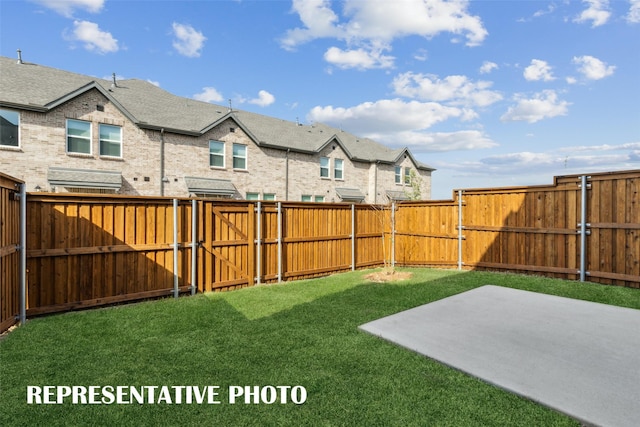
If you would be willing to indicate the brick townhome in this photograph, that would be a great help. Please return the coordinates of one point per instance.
(67, 132)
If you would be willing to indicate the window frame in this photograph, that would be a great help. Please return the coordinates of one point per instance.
(306, 198)
(100, 140)
(252, 196)
(398, 175)
(268, 197)
(89, 139)
(340, 169)
(318, 199)
(327, 167)
(221, 155)
(17, 113)
(407, 176)
(244, 158)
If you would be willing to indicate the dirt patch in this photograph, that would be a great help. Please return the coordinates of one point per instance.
(388, 276)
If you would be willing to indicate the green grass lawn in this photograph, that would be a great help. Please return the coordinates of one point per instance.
(300, 333)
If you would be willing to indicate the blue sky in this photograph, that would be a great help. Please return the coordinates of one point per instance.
(490, 93)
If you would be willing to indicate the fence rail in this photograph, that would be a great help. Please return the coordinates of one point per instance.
(87, 250)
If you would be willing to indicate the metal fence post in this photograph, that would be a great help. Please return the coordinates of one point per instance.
(459, 229)
(258, 241)
(583, 227)
(393, 234)
(23, 253)
(175, 248)
(194, 244)
(279, 242)
(353, 237)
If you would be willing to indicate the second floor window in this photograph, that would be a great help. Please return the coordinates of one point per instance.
(338, 169)
(110, 140)
(239, 156)
(324, 167)
(78, 137)
(407, 176)
(216, 154)
(398, 174)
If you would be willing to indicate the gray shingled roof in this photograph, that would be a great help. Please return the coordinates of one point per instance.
(32, 86)
(350, 194)
(84, 178)
(221, 187)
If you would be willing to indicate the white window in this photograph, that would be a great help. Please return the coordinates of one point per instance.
(268, 196)
(398, 174)
(318, 199)
(110, 140)
(338, 169)
(324, 167)
(407, 176)
(253, 196)
(239, 156)
(216, 154)
(78, 137)
(9, 128)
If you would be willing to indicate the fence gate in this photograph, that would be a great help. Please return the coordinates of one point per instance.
(227, 248)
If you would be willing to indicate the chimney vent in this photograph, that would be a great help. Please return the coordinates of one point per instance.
(114, 84)
(19, 57)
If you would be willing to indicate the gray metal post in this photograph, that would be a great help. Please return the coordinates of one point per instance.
(259, 242)
(23, 253)
(175, 248)
(279, 242)
(393, 235)
(459, 229)
(583, 227)
(353, 237)
(194, 244)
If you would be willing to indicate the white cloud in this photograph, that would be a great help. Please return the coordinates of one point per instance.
(189, 41)
(633, 17)
(457, 90)
(440, 141)
(208, 94)
(385, 116)
(487, 67)
(538, 70)
(264, 99)
(597, 13)
(593, 68)
(543, 105)
(68, 7)
(93, 38)
(358, 58)
(373, 25)
(422, 54)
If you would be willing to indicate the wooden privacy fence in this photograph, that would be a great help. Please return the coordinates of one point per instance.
(536, 229)
(10, 245)
(84, 250)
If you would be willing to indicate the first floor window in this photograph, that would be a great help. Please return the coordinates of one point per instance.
(239, 156)
(318, 199)
(398, 174)
(306, 198)
(110, 140)
(407, 176)
(338, 169)
(268, 196)
(324, 167)
(9, 125)
(78, 137)
(216, 154)
(253, 196)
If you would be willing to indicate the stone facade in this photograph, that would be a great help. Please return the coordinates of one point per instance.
(285, 173)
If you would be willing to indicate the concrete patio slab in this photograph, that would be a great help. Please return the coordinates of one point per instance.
(577, 357)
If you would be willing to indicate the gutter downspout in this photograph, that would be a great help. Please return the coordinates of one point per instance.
(162, 162)
(375, 184)
(286, 175)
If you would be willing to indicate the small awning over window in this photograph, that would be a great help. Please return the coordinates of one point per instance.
(397, 196)
(85, 178)
(210, 187)
(350, 194)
